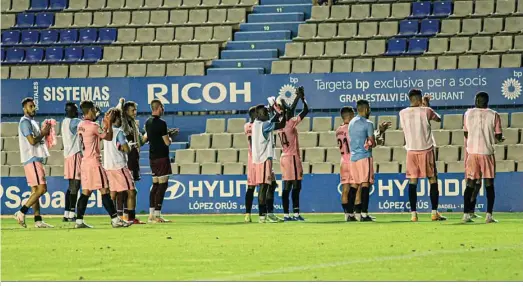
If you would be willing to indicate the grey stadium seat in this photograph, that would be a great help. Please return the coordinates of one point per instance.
(438, 46)
(327, 139)
(62, 20)
(514, 152)
(315, 155)
(479, 44)
(11, 144)
(375, 47)
(341, 65)
(20, 72)
(450, 27)
(340, 13)
(362, 65)
(233, 169)
(155, 70)
(321, 124)
(301, 66)
(217, 16)
(294, 50)
(211, 169)
(320, 13)
(455, 167)
(215, 125)
(117, 71)
(141, 18)
(380, 11)
(281, 67)
(102, 19)
(227, 155)
(459, 45)
(394, 138)
(5, 171)
(513, 24)
(184, 34)
(115, 4)
(501, 43)
(203, 34)
(388, 118)
(136, 70)
(381, 154)
(404, 64)
(333, 155)
(511, 135)
(321, 66)
(359, 11)
(425, 63)
(326, 31)
(334, 48)
(399, 154)
(8, 21)
(13, 158)
(499, 151)
(57, 171)
(236, 15)
(96, 4)
(190, 169)
(388, 167)
(200, 141)
(179, 17)
(164, 35)
(516, 120)
(60, 71)
(5, 72)
(367, 30)
(504, 120)
(170, 52)
(175, 168)
(442, 137)
(220, 141)
(306, 31)
(489, 61)
(197, 16)
(222, 33)
(305, 125)
(492, 25)
(347, 30)
(470, 27)
(112, 54)
(452, 121)
(483, 8)
(189, 51)
(235, 125)
(448, 153)
(55, 158)
(400, 10)
(126, 35)
(205, 156)
(322, 168)
(383, 64)
(388, 29)
(19, 5)
(243, 156)
(505, 7)
(505, 166)
(159, 18)
(240, 140)
(16, 171)
(354, 48)
(447, 62)
(84, 19)
(121, 18)
(308, 139)
(175, 69)
(458, 137)
(195, 68)
(462, 9)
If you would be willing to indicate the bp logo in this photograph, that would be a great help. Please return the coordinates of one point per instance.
(287, 93)
(511, 89)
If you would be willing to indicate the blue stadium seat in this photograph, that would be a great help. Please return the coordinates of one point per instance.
(39, 5)
(417, 46)
(25, 20)
(54, 55)
(48, 37)
(34, 55)
(14, 55)
(58, 4)
(3, 55)
(442, 8)
(30, 37)
(44, 20)
(73, 54)
(88, 36)
(409, 27)
(429, 27)
(396, 47)
(107, 35)
(10, 37)
(92, 54)
(69, 36)
(420, 9)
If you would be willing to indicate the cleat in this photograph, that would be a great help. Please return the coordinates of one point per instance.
(466, 218)
(372, 217)
(162, 220)
(151, 220)
(438, 217)
(137, 221)
(490, 219)
(82, 225)
(42, 224)
(287, 218)
(262, 220)
(351, 218)
(474, 215)
(20, 218)
(120, 223)
(298, 218)
(247, 218)
(272, 218)
(65, 219)
(414, 218)
(367, 218)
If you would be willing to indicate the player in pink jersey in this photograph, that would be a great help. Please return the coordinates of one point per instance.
(290, 160)
(477, 186)
(421, 159)
(482, 128)
(251, 180)
(93, 175)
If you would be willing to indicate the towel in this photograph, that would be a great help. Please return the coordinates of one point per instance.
(50, 140)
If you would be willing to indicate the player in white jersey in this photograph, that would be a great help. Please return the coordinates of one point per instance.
(72, 159)
(419, 142)
(115, 164)
(482, 127)
(33, 152)
(262, 155)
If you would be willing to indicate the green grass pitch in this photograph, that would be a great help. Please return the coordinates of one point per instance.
(223, 247)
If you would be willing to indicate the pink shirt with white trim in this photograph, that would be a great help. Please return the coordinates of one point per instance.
(415, 122)
(482, 124)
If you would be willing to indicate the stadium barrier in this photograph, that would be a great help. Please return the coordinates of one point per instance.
(222, 194)
(234, 92)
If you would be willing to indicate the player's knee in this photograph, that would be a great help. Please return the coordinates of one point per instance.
(433, 180)
(471, 183)
(489, 182)
(42, 189)
(131, 194)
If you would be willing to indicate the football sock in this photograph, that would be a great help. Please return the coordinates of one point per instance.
(82, 206)
(72, 202)
(132, 214)
(285, 197)
(249, 198)
(160, 194)
(24, 209)
(296, 199)
(270, 200)
(491, 196)
(109, 206)
(466, 199)
(352, 200)
(434, 196)
(38, 218)
(413, 196)
(365, 200)
(152, 196)
(67, 203)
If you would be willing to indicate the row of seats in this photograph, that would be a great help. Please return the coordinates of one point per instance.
(150, 18)
(396, 64)
(52, 55)
(28, 20)
(461, 9)
(332, 154)
(168, 35)
(329, 168)
(193, 68)
(162, 53)
(11, 6)
(473, 26)
(59, 37)
(18, 171)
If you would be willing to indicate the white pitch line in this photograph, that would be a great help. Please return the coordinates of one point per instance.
(348, 262)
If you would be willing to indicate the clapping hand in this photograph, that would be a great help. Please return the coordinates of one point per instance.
(384, 126)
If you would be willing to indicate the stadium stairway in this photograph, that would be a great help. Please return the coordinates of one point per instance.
(262, 39)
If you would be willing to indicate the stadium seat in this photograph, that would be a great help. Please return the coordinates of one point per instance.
(301, 66)
(315, 155)
(501, 43)
(223, 140)
(429, 27)
(492, 26)
(504, 120)
(17, 171)
(381, 154)
(227, 155)
(11, 37)
(14, 55)
(514, 152)
(408, 27)
(505, 166)
(20, 72)
(516, 120)
(341, 13)
(233, 169)
(92, 54)
(169, 52)
(63, 20)
(333, 155)
(511, 135)
(73, 54)
(396, 47)
(211, 169)
(305, 125)
(380, 11)
(60, 4)
(375, 47)
(355, 48)
(484, 8)
(323, 66)
(239, 140)
(29, 38)
(425, 63)
(150, 53)
(327, 139)
(190, 169)
(320, 13)
(367, 29)
(513, 25)
(499, 151)
(11, 144)
(388, 29)
(421, 9)
(341, 65)
(450, 27)
(58, 71)
(452, 121)
(347, 30)
(205, 156)
(442, 137)
(401, 10)
(441, 8)
(489, 61)
(308, 139)
(383, 64)
(200, 141)
(34, 55)
(5, 71)
(235, 125)
(39, 72)
(399, 154)
(404, 64)
(39, 5)
(69, 36)
(394, 138)
(457, 137)
(175, 169)
(7, 21)
(136, 70)
(44, 20)
(183, 156)
(417, 46)
(215, 125)
(88, 36)
(78, 71)
(388, 168)
(9, 129)
(470, 27)
(505, 7)
(480, 45)
(322, 168)
(156, 70)
(448, 153)
(25, 20)
(321, 124)
(455, 167)
(195, 69)
(13, 158)
(462, 9)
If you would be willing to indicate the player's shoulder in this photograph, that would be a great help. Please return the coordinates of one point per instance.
(342, 128)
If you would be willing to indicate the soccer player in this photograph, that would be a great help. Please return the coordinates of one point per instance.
(482, 127)
(421, 159)
(93, 175)
(72, 159)
(33, 151)
(135, 141)
(290, 160)
(262, 155)
(251, 181)
(159, 141)
(342, 135)
(115, 163)
(477, 187)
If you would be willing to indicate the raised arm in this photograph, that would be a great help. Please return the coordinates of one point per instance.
(27, 131)
(432, 115)
(107, 129)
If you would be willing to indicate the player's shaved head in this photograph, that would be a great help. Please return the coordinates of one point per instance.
(261, 112)
(252, 113)
(27, 100)
(482, 99)
(71, 110)
(363, 107)
(86, 106)
(155, 104)
(346, 111)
